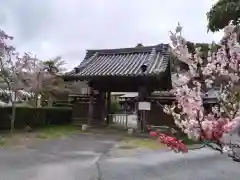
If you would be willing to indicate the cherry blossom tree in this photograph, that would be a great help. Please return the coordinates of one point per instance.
(26, 73)
(219, 71)
(12, 68)
(42, 82)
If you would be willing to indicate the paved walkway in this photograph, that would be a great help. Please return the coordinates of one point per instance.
(203, 164)
(66, 159)
(75, 158)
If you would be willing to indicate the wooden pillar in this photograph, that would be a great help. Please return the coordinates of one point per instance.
(102, 106)
(98, 108)
(90, 107)
(108, 107)
(104, 113)
(126, 112)
(142, 114)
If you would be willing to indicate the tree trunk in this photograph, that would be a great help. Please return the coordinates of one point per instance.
(50, 101)
(13, 115)
(39, 97)
(35, 100)
(12, 127)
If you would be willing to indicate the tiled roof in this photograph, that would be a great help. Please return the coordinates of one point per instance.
(124, 62)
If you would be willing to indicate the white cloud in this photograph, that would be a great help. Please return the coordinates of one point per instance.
(68, 28)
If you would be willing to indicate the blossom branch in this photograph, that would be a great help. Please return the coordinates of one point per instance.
(220, 67)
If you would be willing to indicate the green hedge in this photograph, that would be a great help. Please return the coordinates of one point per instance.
(35, 117)
(115, 107)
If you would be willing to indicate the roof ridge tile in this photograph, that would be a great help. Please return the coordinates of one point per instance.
(158, 47)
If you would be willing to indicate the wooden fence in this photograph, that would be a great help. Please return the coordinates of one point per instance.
(124, 120)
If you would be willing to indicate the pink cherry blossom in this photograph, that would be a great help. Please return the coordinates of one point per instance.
(189, 113)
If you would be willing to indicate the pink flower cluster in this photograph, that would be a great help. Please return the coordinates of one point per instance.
(193, 121)
(189, 113)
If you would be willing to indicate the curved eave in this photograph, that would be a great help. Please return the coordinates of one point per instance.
(90, 77)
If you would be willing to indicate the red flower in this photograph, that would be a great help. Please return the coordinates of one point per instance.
(171, 142)
(153, 134)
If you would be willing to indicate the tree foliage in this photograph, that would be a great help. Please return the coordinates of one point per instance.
(54, 65)
(27, 73)
(12, 68)
(222, 13)
(42, 82)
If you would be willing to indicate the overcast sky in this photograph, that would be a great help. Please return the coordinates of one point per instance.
(69, 27)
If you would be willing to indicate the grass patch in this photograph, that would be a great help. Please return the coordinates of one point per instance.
(24, 138)
(55, 131)
(153, 144)
(148, 143)
(145, 143)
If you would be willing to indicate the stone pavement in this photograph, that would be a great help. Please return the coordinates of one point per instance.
(76, 157)
(70, 158)
(203, 164)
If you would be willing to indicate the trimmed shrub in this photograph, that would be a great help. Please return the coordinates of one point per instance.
(35, 117)
(115, 107)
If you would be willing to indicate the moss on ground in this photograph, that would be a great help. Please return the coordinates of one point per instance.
(23, 138)
(140, 142)
(56, 131)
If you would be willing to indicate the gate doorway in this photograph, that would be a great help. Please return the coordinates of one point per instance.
(126, 117)
(137, 69)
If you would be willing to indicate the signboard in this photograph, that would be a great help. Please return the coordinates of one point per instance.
(144, 106)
